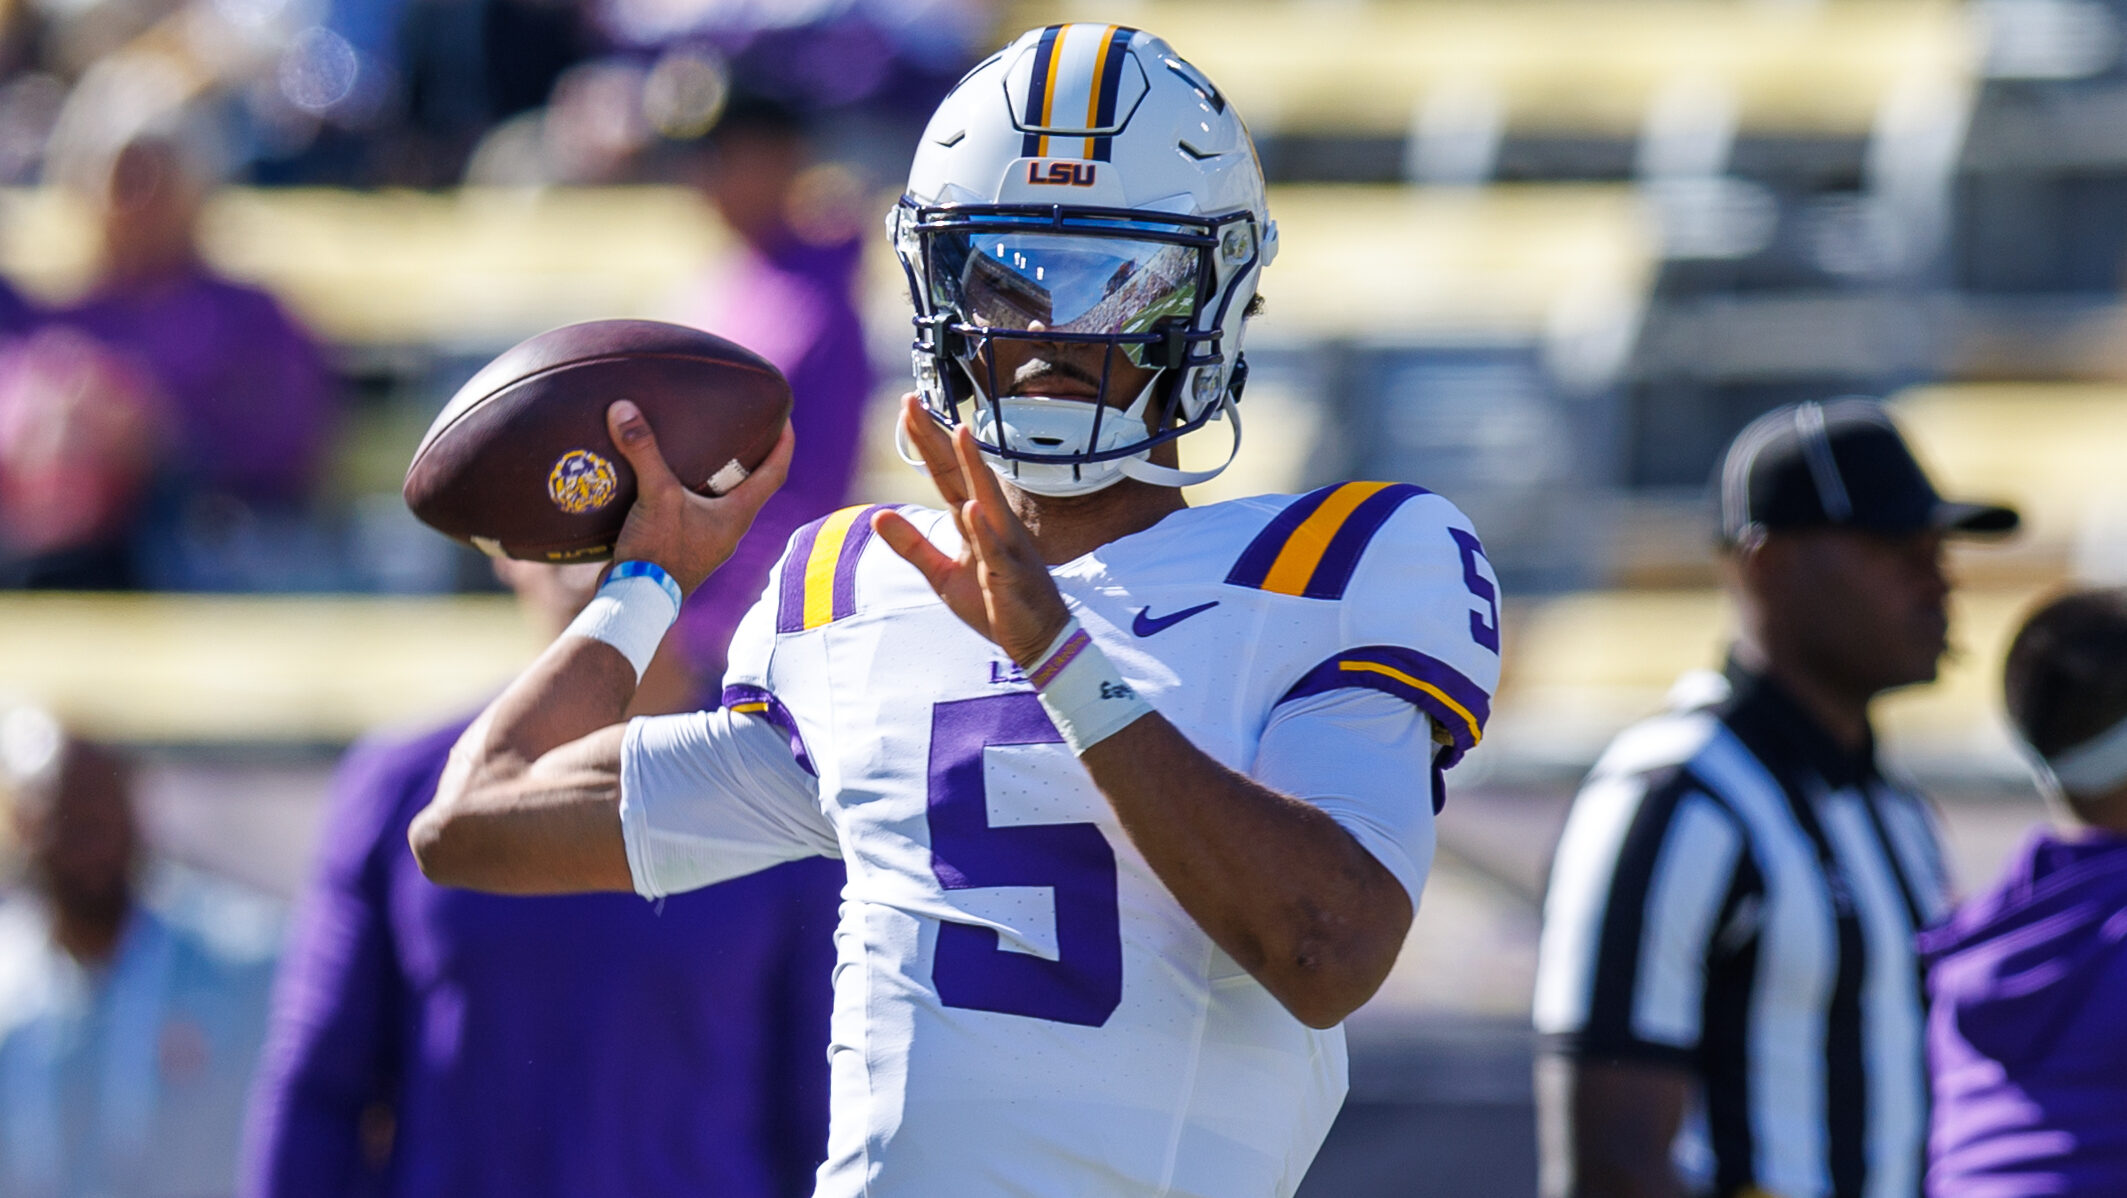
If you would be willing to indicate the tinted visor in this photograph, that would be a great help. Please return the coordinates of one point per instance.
(1067, 283)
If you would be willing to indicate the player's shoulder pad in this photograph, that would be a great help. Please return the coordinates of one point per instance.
(1312, 545)
(1417, 603)
(817, 580)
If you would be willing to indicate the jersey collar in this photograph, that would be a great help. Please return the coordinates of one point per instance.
(1783, 732)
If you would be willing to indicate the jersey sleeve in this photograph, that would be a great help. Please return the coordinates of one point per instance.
(1360, 756)
(753, 641)
(712, 795)
(1650, 879)
(1416, 602)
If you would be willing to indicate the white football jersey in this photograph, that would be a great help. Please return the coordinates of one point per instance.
(1021, 1007)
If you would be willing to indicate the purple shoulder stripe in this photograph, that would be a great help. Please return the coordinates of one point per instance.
(1456, 704)
(755, 700)
(1334, 573)
(860, 535)
(818, 583)
(790, 597)
(1311, 548)
(1262, 553)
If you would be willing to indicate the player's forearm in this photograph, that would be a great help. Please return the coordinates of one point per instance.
(1288, 894)
(1602, 1172)
(530, 800)
(1605, 1129)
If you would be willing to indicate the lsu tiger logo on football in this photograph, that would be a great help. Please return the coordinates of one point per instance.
(582, 481)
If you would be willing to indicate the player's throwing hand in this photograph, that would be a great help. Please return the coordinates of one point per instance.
(998, 584)
(688, 534)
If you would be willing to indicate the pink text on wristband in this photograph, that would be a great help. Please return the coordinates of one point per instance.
(1065, 654)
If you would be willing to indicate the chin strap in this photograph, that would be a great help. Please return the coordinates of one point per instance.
(1167, 476)
(907, 449)
(1136, 468)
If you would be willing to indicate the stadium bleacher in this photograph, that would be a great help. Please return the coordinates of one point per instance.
(1558, 67)
(1517, 346)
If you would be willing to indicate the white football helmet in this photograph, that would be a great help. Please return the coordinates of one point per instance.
(1085, 184)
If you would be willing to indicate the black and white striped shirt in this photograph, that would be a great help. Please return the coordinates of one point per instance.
(1736, 895)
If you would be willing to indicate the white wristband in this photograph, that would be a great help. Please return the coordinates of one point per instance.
(1082, 691)
(631, 612)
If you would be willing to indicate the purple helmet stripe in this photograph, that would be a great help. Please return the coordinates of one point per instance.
(1037, 107)
(1111, 77)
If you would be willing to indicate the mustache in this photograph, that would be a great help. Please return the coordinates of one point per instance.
(1037, 372)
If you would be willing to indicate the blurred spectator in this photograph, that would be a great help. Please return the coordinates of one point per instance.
(2025, 1044)
(439, 1042)
(17, 314)
(872, 56)
(27, 103)
(250, 398)
(80, 430)
(1726, 984)
(787, 292)
(592, 130)
(469, 66)
(130, 1012)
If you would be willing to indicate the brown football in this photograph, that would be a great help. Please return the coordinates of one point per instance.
(519, 464)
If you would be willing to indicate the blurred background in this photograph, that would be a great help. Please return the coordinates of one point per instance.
(1543, 256)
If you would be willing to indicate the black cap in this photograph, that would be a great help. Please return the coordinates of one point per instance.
(1837, 464)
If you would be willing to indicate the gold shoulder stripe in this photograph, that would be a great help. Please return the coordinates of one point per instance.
(1303, 550)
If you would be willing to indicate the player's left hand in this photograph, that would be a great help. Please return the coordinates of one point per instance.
(998, 582)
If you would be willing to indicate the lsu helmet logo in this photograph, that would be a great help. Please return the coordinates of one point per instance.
(581, 481)
(1061, 174)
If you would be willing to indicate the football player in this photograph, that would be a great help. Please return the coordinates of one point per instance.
(1135, 798)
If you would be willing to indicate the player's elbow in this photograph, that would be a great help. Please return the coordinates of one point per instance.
(449, 837)
(1329, 975)
(1321, 1013)
(1324, 1001)
(438, 844)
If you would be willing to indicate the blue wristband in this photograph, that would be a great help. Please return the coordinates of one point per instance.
(632, 612)
(649, 570)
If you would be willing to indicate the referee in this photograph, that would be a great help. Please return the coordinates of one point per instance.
(1727, 997)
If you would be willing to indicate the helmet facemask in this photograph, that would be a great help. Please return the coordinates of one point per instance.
(1152, 290)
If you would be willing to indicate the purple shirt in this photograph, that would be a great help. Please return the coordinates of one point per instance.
(2027, 1044)
(16, 313)
(577, 1047)
(249, 389)
(794, 304)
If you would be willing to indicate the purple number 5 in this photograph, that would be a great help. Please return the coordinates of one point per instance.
(1084, 984)
(1486, 634)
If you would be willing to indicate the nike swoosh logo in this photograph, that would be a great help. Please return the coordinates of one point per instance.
(1146, 624)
